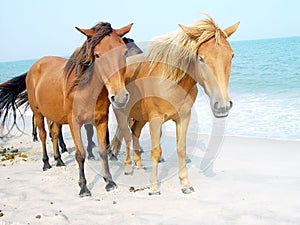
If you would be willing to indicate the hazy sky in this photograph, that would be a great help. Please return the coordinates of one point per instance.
(33, 28)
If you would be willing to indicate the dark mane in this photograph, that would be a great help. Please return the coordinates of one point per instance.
(82, 60)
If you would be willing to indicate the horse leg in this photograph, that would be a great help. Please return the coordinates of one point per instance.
(136, 129)
(89, 133)
(39, 120)
(181, 131)
(122, 120)
(155, 129)
(34, 133)
(61, 142)
(101, 134)
(107, 137)
(80, 156)
(55, 131)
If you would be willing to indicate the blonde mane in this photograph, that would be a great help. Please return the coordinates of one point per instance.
(177, 51)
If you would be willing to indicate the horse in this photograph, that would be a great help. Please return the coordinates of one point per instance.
(76, 91)
(162, 84)
(133, 49)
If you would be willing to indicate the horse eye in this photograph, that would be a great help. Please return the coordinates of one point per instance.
(201, 59)
(97, 55)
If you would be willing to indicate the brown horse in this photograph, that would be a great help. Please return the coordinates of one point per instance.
(76, 91)
(162, 84)
(133, 49)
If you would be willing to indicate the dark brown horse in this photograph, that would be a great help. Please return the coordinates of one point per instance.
(76, 91)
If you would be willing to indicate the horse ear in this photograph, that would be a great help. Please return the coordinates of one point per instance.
(124, 30)
(87, 32)
(192, 32)
(230, 30)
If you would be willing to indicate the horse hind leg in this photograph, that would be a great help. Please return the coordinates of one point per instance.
(55, 131)
(61, 142)
(34, 132)
(90, 133)
(39, 121)
(156, 152)
(136, 129)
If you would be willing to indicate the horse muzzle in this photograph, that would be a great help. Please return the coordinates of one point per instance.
(221, 110)
(120, 100)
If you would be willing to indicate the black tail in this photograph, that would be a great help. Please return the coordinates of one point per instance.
(13, 94)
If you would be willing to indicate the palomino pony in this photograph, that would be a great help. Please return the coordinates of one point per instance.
(76, 91)
(162, 85)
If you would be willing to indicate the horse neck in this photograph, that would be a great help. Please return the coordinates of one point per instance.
(187, 83)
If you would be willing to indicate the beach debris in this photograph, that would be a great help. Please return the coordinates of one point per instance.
(10, 154)
(132, 189)
(114, 202)
(38, 216)
(1, 214)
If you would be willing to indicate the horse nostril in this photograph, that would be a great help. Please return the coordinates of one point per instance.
(231, 104)
(127, 96)
(112, 98)
(216, 105)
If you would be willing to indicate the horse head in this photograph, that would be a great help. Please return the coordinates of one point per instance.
(108, 54)
(215, 55)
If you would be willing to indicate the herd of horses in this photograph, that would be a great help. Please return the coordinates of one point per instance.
(151, 87)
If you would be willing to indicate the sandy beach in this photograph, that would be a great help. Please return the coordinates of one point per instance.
(252, 181)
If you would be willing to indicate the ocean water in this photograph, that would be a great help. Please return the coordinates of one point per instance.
(264, 87)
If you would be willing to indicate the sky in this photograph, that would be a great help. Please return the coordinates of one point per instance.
(34, 28)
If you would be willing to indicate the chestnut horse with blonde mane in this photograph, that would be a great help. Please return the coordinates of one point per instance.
(77, 91)
(162, 85)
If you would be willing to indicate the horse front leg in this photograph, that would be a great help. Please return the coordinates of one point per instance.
(101, 134)
(155, 131)
(122, 119)
(181, 131)
(80, 156)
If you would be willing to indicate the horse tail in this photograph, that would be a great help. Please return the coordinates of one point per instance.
(13, 95)
(115, 145)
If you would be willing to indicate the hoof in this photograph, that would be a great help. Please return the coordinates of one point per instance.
(128, 170)
(91, 157)
(139, 165)
(35, 139)
(46, 166)
(85, 192)
(188, 160)
(141, 150)
(64, 150)
(128, 173)
(187, 190)
(154, 193)
(60, 163)
(161, 160)
(110, 186)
